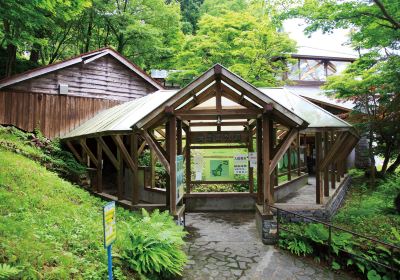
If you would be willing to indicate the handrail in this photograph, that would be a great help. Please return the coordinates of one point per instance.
(391, 247)
(336, 227)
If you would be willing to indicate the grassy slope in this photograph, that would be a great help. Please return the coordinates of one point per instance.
(371, 211)
(49, 228)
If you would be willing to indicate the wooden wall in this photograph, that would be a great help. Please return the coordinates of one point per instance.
(53, 114)
(104, 77)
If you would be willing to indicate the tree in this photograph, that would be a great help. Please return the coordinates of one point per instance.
(373, 81)
(190, 10)
(247, 44)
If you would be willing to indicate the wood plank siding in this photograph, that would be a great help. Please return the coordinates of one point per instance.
(53, 114)
(105, 77)
(93, 86)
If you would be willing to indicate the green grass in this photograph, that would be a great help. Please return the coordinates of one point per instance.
(370, 210)
(51, 229)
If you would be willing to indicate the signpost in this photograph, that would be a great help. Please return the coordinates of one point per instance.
(110, 232)
(180, 171)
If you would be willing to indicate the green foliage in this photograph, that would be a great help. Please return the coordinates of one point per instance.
(50, 229)
(8, 272)
(161, 175)
(155, 246)
(372, 81)
(371, 211)
(37, 147)
(244, 40)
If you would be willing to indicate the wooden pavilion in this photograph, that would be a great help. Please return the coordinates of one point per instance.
(173, 123)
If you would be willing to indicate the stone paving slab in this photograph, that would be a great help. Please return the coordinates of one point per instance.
(226, 246)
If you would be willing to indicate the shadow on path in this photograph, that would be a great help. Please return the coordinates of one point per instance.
(225, 245)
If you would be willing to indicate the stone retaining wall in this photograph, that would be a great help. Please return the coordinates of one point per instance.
(324, 213)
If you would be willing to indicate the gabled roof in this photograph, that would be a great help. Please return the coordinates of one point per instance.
(83, 58)
(137, 113)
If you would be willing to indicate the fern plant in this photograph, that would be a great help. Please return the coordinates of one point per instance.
(155, 247)
(8, 272)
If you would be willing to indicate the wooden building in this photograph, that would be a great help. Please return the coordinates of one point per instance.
(59, 97)
(274, 117)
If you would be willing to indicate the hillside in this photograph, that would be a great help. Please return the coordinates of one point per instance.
(51, 229)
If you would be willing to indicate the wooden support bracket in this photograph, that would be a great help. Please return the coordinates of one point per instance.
(160, 153)
(89, 152)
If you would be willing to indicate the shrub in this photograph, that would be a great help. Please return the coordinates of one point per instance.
(155, 246)
(397, 203)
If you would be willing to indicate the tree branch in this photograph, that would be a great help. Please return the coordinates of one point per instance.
(386, 14)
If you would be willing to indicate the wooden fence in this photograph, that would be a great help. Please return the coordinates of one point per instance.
(53, 114)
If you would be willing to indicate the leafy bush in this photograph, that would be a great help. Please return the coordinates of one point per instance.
(155, 246)
(49, 153)
(161, 174)
(50, 229)
(8, 272)
(313, 239)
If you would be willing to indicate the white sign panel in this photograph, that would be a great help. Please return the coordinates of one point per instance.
(240, 166)
(253, 159)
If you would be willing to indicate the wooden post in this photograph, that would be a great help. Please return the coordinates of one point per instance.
(298, 155)
(120, 174)
(135, 173)
(179, 137)
(259, 161)
(272, 142)
(289, 167)
(153, 160)
(167, 145)
(266, 166)
(326, 170)
(251, 149)
(187, 161)
(318, 187)
(172, 152)
(99, 187)
(333, 183)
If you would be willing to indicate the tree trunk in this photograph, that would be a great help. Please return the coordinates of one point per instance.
(89, 31)
(35, 52)
(394, 165)
(372, 159)
(385, 164)
(11, 58)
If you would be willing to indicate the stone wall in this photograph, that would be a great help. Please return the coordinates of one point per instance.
(324, 213)
(362, 159)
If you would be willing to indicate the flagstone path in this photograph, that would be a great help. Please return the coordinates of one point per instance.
(226, 246)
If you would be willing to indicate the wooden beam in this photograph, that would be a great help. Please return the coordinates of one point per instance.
(268, 199)
(216, 147)
(120, 175)
(289, 167)
(198, 99)
(157, 150)
(108, 152)
(251, 175)
(333, 180)
(187, 162)
(153, 160)
(334, 150)
(172, 151)
(282, 147)
(298, 155)
(88, 151)
(74, 151)
(244, 123)
(124, 152)
(179, 137)
(99, 173)
(233, 96)
(134, 154)
(141, 148)
(326, 169)
(259, 146)
(318, 187)
(239, 113)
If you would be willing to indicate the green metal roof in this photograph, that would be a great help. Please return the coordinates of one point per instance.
(316, 116)
(122, 117)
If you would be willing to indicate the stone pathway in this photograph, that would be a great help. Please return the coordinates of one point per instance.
(226, 246)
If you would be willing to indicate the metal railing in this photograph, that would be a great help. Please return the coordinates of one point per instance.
(392, 267)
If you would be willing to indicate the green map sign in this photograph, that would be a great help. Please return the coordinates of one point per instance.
(219, 168)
